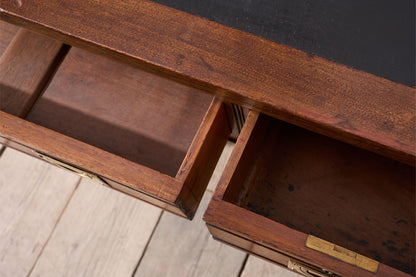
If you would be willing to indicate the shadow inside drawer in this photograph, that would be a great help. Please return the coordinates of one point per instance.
(314, 184)
(133, 114)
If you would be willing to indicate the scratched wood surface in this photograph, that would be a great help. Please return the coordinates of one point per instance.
(51, 224)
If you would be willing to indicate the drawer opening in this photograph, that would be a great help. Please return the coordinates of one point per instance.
(337, 192)
(125, 111)
(141, 134)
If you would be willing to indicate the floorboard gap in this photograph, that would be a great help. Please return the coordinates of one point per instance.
(147, 245)
(54, 228)
(2, 148)
(243, 265)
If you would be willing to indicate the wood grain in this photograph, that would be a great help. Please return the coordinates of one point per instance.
(33, 195)
(25, 69)
(202, 156)
(183, 248)
(102, 233)
(309, 91)
(378, 39)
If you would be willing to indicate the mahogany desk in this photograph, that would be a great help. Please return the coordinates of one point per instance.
(342, 70)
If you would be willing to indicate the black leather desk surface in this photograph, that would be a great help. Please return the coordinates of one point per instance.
(376, 36)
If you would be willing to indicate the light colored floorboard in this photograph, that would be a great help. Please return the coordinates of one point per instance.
(259, 267)
(185, 248)
(220, 166)
(102, 233)
(33, 195)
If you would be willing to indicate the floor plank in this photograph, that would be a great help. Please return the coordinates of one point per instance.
(102, 233)
(185, 248)
(226, 153)
(258, 267)
(33, 195)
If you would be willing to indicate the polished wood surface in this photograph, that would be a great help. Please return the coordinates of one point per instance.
(283, 182)
(309, 91)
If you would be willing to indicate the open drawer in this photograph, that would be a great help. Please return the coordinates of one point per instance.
(133, 131)
(314, 204)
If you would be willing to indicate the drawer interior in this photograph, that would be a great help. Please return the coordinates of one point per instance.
(125, 111)
(7, 32)
(343, 194)
(136, 132)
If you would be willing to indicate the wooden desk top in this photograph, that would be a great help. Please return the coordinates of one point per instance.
(289, 84)
(376, 37)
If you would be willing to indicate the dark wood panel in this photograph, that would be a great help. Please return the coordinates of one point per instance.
(122, 110)
(27, 65)
(306, 90)
(377, 37)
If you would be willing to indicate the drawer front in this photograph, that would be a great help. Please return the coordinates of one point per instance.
(269, 254)
(80, 172)
(316, 200)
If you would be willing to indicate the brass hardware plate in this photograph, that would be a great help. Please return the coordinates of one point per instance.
(72, 169)
(306, 270)
(342, 254)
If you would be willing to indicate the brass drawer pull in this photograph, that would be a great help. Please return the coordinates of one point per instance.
(305, 270)
(71, 168)
(341, 253)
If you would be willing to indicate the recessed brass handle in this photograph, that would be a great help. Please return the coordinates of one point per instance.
(306, 270)
(72, 169)
(341, 253)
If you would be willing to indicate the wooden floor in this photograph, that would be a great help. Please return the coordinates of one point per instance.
(52, 223)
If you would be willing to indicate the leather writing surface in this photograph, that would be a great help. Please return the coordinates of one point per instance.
(374, 36)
